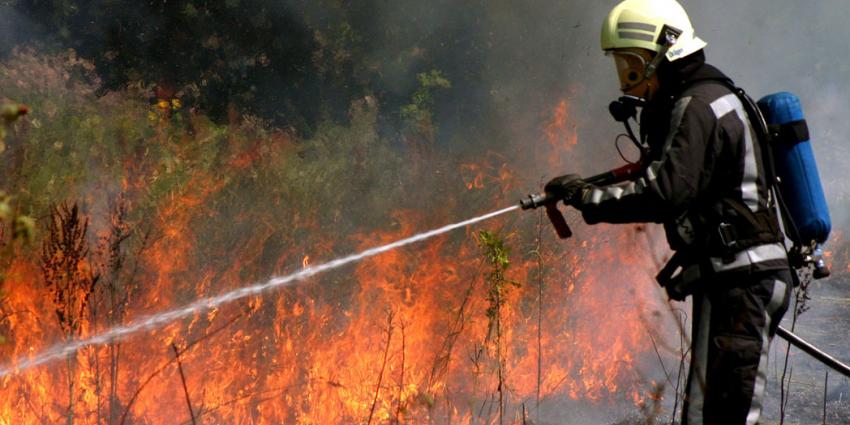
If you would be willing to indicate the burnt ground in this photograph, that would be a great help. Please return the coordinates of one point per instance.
(826, 324)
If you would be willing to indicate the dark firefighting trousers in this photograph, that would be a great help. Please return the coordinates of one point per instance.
(734, 320)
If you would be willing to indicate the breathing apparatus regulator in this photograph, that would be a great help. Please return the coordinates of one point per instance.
(626, 107)
(623, 110)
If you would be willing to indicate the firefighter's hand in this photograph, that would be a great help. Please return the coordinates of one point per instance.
(568, 188)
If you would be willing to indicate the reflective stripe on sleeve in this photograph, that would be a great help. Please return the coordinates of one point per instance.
(617, 191)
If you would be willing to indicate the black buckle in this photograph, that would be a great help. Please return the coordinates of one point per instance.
(728, 236)
(729, 241)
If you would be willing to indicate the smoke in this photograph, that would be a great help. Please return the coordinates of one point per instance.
(14, 29)
(509, 65)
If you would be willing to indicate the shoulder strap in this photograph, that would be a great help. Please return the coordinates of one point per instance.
(790, 133)
(766, 138)
(756, 119)
(765, 224)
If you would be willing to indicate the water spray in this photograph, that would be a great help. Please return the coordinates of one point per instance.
(159, 320)
(156, 321)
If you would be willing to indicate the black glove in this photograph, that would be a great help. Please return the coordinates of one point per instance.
(568, 188)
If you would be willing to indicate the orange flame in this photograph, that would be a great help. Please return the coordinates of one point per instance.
(405, 337)
(558, 132)
(492, 171)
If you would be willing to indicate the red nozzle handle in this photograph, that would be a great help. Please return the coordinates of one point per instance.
(545, 200)
(558, 221)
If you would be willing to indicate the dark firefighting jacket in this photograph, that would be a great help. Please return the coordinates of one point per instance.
(705, 179)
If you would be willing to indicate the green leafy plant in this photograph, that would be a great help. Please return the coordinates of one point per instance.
(497, 255)
(418, 115)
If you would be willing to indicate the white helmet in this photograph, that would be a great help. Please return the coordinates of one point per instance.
(661, 26)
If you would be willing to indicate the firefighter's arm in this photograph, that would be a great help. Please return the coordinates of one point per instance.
(671, 182)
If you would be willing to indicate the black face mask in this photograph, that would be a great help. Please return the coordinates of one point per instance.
(625, 109)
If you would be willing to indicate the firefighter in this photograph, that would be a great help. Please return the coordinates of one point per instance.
(706, 182)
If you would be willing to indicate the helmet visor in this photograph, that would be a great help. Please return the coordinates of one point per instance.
(631, 67)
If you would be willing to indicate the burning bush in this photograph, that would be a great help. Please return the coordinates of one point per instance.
(180, 207)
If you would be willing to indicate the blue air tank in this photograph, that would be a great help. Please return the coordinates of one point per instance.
(794, 160)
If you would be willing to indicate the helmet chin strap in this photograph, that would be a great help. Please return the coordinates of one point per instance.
(670, 37)
(647, 94)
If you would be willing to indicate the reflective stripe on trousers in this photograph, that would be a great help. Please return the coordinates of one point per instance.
(733, 325)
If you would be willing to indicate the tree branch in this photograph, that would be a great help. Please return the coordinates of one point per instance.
(183, 380)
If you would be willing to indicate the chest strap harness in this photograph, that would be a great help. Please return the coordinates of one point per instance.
(738, 228)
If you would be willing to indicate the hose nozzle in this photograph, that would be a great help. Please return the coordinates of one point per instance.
(535, 200)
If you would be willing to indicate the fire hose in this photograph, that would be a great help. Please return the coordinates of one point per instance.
(813, 351)
(626, 173)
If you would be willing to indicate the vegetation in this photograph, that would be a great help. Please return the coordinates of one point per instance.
(496, 253)
(16, 230)
(131, 194)
(297, 64)
(417, 114)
